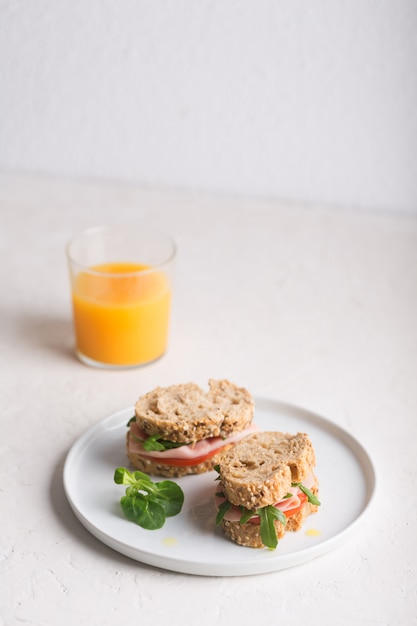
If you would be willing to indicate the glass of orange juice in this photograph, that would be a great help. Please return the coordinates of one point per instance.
(121, 284)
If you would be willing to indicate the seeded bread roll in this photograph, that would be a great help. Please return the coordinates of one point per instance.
(185, 413)
(258, 470)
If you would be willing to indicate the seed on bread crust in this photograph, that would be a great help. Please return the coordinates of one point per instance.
(185, 413)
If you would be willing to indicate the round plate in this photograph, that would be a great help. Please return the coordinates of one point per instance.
(190, 542)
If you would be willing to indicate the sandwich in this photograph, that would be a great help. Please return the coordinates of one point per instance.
(267, 487)
(182, 429)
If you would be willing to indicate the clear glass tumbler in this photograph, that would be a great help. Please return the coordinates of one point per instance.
(121, 284)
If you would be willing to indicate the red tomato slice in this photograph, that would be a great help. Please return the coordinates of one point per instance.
(185, 462)
(303, 499)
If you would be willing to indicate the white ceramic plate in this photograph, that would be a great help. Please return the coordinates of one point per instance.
(190, 542)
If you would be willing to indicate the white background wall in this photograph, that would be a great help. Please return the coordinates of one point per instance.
(312, 100)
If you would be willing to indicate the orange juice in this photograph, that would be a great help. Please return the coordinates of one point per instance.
(121, 313)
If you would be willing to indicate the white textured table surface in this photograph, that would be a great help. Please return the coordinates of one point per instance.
(312, 306)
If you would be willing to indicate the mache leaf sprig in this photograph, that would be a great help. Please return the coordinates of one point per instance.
(146, 503)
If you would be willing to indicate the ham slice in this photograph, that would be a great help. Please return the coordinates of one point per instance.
(188, 451)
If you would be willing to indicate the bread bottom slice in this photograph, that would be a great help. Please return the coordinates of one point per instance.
(249, 535)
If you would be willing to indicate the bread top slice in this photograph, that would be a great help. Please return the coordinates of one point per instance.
(258, 471)
(185, 413)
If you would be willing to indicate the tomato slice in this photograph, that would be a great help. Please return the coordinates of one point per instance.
(303, 499)
(184, 462)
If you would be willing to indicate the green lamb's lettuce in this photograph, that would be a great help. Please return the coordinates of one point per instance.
(222, 510)
(146, 503)
(155, 442)
(268, 515)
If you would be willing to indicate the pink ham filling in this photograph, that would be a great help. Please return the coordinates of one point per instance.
(286, 504)
(188, 451)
